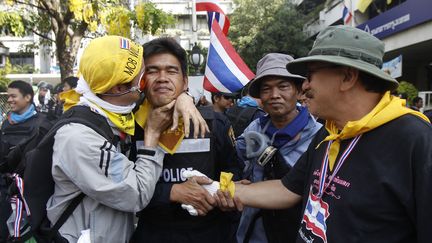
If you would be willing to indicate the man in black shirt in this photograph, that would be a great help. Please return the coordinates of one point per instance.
(367, 176)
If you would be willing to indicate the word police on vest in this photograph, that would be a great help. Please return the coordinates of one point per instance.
(175, 174)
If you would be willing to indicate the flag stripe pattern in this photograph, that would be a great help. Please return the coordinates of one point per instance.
(225, 70)
(214, 12)
(124, 44)
(346, 15)
(315, 218)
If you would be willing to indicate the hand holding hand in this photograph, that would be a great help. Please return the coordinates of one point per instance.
(224, 200)
(192, 193)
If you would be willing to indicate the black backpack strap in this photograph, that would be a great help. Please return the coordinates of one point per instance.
(65, 215)
(87, 117)
(82, 115)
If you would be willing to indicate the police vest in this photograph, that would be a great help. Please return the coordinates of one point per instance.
(193, 154)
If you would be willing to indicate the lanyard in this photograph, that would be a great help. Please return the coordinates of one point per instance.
(322, 185)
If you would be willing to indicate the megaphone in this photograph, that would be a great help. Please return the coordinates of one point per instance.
(258, 145)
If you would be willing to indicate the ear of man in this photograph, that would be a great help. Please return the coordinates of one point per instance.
(28, 98)
(351, 76)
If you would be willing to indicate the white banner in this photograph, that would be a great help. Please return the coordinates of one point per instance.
(393, 67)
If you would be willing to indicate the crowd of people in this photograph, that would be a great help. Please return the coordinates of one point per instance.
(350, 163)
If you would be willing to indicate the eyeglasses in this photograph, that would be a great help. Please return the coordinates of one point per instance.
(228, 97)
(139, 87)
(310, 72)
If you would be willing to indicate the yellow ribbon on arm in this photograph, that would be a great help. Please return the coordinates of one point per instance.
(389, 108)
(169, 140)
(226, 183)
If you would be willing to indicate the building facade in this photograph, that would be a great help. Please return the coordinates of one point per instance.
(405, 27)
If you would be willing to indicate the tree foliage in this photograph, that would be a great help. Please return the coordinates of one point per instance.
(409, 89)
(66, 23)
(259, 27)
(3, 80)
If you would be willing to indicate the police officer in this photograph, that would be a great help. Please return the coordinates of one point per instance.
(163, 220)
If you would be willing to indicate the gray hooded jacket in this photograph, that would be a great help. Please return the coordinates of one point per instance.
(115, 188)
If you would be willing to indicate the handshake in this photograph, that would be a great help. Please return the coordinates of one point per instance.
(225, 184)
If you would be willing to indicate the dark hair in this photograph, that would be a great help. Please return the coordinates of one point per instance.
(23, 87)
(374, 84)
(214, 95)
(298, 83)
(58, 88)
(72, 81)
(416, 100)
(227, 96)
(166, 45)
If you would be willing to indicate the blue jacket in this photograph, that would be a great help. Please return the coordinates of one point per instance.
(290, 152)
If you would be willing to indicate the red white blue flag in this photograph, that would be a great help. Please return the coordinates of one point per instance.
(225, 70)
(215, 12)
(346, 15)
(315, 215)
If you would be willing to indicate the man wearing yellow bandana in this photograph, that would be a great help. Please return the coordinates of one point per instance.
(84, 161)
(164, 219)
(366, 176)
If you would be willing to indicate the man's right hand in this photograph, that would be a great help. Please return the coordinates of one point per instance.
(157, 121)
(192, 193)
(224, 200)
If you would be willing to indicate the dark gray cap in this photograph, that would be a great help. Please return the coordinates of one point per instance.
(272, 64)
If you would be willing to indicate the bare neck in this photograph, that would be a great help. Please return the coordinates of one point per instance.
(216, 108)
(281, 121)
(353, 107)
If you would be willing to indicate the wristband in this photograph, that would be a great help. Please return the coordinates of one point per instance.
(190, 95)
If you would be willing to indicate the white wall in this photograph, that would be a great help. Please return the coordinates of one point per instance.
(196, 88)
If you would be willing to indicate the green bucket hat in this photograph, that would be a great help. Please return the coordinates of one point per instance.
(346, 46)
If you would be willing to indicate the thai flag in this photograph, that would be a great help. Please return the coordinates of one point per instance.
(124, 43)
(214, 12)
(315, 217)
(225, 70)
(346, 15)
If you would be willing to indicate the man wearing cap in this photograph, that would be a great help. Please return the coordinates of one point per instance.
(286, 131)
(84, 161)
(222, 101)
(164, 219)
(367, 176)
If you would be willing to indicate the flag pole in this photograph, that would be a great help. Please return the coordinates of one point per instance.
(352, 13)
(194, 22)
